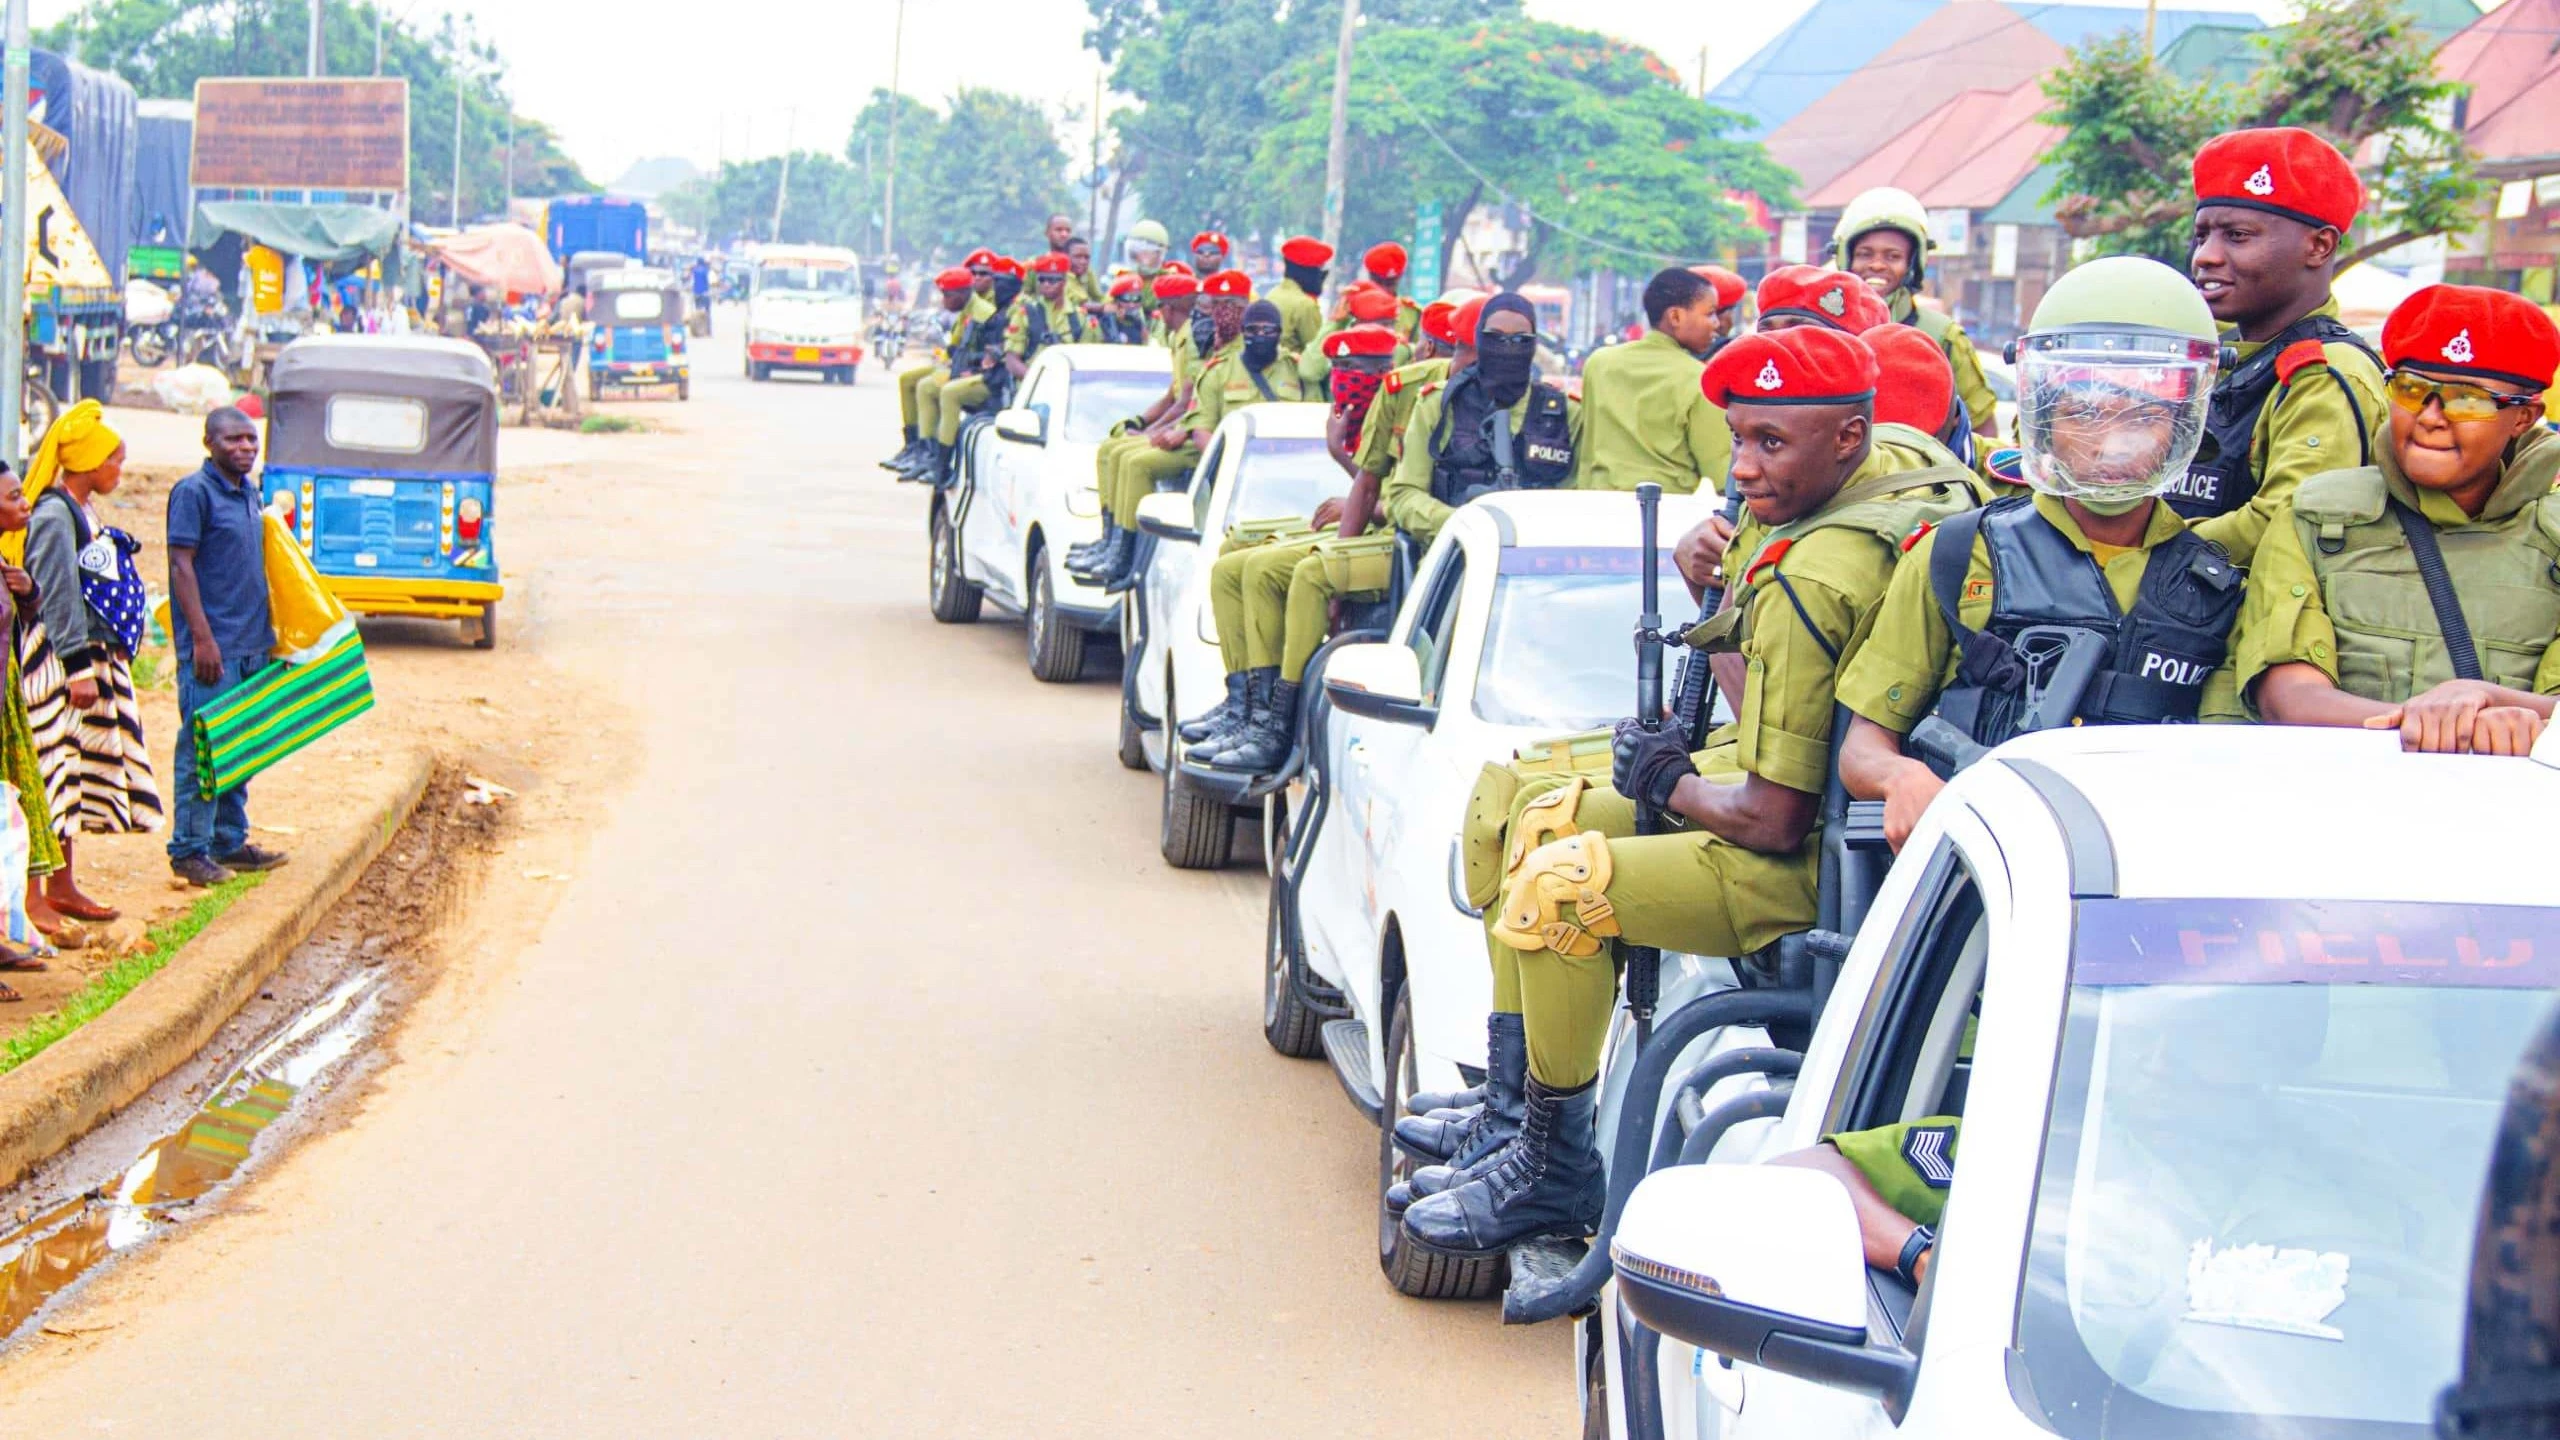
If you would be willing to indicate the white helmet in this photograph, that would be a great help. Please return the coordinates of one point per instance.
(1884, 208)
(2115, 374)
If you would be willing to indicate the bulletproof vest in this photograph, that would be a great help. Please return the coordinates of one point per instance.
(1043, 335)
(985, 338)
(2157, 657)
(2221, 479)
(2505, 573)
(1474, 450)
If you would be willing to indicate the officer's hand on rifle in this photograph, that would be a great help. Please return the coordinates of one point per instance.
(1700, 555)
(1647, 765)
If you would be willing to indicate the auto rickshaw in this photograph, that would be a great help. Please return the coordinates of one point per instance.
(638, 334)
(583, 268)
(382, 459)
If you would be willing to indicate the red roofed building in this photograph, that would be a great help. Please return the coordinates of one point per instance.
(2510, 58)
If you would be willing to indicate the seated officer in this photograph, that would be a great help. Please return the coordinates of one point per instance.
(1362, 304)
(1209, 251)
(1047, 318)
(1731, 290)
(1175, 293)
(2341, 628)
(1897, 1177)
(2113, 382)
(1123, 321)
(980, 356)
(1171, 446)
(920, 386)
(1556, 860)
(1453, 448)
(1384, 265)
(1916, 400)
(1645, 415)
(1794, 295)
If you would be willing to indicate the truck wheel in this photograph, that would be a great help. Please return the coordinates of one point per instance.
(1195, 833)
(684, 388)
(484, 628)
(953, 600)
(1287, 1025)
(1057, 648)
(1411, 1269)
(1133, 740)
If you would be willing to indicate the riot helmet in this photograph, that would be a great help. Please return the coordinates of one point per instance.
(1142, 249)
(2114, 376)
(1884, 208)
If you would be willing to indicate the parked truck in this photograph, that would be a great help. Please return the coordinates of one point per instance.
(575, 223)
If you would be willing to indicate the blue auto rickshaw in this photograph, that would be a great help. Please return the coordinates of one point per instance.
(638, 337)
(382, 458)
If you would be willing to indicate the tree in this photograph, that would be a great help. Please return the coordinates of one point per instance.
(823, 205)
(164, 46)
(2351, 71)
(1592, 142)
(986, 170)
(919, 129)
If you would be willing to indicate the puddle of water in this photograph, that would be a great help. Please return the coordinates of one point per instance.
(42, 1258)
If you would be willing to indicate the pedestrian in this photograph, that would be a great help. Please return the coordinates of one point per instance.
(20, 762)
(223, 633)
(78, 686)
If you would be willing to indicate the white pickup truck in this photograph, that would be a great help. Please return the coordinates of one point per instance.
(805, 312)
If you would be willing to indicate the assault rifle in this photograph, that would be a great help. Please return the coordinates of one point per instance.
(1644, 962)
(1690, 708)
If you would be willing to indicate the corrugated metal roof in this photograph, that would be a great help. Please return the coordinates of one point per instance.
(1968, 153)
(2510, 58)
(1810, 57)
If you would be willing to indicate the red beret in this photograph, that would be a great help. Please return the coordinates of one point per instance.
(1462, 321)
(1176, 287)
(1124, 287)
(1730, 288)
(1211, 240)
(2283, 171)
(1439, 318)
(2468, 330)
(1228, 285)
(1360, 340)
(1802, 365)
(1006, 265)
(1914, 384)
(1306, 250)
(1174, 267)
(955, 278)
(1830, 297)
(979, 257)
(1052, 263)
(1368, 303)
(1386, 260)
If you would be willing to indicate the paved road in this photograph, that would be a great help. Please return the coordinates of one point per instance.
(873, 1076)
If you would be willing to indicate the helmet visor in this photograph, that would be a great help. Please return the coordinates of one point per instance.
(2110, 417)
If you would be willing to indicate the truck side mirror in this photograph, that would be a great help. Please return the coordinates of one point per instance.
(1029, 426)
(1167, 515)
(1378, 681)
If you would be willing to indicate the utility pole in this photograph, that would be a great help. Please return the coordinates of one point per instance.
(454, 216)
(889, 187)
(377, 39)
(13, 237)
(2150, 28)
(314, 67)
(511, 161)
(1335, 138)
(1093, 172)
(782, 190)
(1702, 72)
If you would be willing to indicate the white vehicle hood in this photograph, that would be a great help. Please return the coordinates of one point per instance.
(795, 313)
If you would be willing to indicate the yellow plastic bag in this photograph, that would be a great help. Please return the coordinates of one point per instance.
(308, 619)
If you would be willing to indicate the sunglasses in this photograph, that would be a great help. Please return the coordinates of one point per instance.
(2460, 402)
(1262, 332)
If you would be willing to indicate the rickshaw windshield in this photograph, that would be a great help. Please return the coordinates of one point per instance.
(635, 307)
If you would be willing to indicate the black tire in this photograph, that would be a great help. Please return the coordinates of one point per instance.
(38, 408)
(1133, 740)
(954, 600)
(1193, 832)
(1056, 648)
(1288, 1026)
(149, 346)
(684, 388)
(1411, 1269)
(484, 628)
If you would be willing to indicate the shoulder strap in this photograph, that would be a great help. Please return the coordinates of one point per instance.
(79, 523)
(1259, 383)
(1950, 557)
(2440, 595)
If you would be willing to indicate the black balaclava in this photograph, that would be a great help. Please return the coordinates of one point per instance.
(1204, 331)
(1505, 364)
(1007, 287)
(1310, 278)
(1261, 349)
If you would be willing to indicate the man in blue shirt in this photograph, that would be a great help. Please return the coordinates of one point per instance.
(218, 587)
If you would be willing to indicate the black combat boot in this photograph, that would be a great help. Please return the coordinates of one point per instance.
(927, 461)
(899, 460)
(1461, 1139)
(1249, 713)
(1548, 1181)
(1274, 732)
(1125, 563)
(1080, 557)
(1221, 716)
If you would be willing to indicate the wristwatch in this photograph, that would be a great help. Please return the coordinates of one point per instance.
(1907, 1264)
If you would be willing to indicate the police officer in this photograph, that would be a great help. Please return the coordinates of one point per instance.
(1362, 303)
(1299, 294)
(1916, 401)
(2114, 376)
(1085, 290)
(1731, 291)
(1123, 321)
(1176, 295)
(1384, 265)
(1209, 251)
(978, 309)
(1645, 415)
(1491, 426)
(2272, 207)
(1556, 859)
(1218, 386)
(980, 356)
(1144, 249)
(1883, 238)
(920, 386)
(2346, 625)
(1046, 318)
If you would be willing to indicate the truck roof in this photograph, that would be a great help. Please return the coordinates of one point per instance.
(1584, 517)
(2268, 811)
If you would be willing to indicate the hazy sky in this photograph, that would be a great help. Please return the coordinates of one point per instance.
(637, 78)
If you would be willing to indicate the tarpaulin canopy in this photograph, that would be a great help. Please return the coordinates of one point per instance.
(314, 232)
(503, 257)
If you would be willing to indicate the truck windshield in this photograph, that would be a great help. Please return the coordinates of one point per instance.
(1555, 645)
(2269, 1131)
(808, 279)
(1100, 399)
(1281, 479)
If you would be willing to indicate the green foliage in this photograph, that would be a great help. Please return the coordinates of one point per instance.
(1615, 161)
(160, 944)
(919, 129)
(823, 205)
(2348, 70)
(996, 173)
(164, 46)
(610, 424)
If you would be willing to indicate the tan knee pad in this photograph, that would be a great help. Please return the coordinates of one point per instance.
(1548, 817)
(1574, 872)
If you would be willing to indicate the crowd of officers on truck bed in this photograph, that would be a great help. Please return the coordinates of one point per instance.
(2221, 504)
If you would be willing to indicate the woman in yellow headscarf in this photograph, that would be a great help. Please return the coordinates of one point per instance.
(77, 677)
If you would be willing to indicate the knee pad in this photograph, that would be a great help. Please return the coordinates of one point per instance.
(1574, 872)
(1545, 818)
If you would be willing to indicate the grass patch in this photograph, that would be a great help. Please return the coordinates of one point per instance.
(112, 984)
(610, 424)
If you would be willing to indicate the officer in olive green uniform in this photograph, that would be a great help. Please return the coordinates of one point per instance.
(2339, 627)
(1043, 317)
(1249, 368)
(1086, 290)
(1883, 216)
(1556, 859)
(981, 307)
(920, 386)
(1155, 445)
(1177, 293)
(1644, 416)
(964, 393)
(1300, 292)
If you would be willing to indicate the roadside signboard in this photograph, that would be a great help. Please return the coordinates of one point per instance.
(1423, 264)
(261, 134)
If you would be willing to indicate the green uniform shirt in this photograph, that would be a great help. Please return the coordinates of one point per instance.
(1410, 504)
(1911, 1164)
(1226, 386)
(1301, 317)
(1200, 369)
(1649, 420)
(1910, 656)
(1981, 406)
(1064, 321)
(2306, 427)
(1382, 433)
(2383, 643)
(1087, 289)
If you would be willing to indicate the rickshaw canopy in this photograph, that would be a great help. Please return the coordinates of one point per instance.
(383, 402)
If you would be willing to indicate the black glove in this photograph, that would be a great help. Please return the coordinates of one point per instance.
(1647, 765)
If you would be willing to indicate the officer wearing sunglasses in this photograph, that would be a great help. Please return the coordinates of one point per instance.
(2422, 593)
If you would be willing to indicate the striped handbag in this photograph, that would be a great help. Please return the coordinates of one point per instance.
(278, 711)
